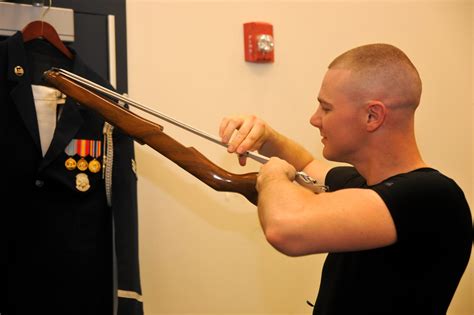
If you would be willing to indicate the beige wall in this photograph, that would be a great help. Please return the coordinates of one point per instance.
(202, 251)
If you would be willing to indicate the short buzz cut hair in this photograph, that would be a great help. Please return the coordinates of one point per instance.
(383, 67)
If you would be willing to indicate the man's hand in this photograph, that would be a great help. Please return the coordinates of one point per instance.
(275, 169)
(244, 133)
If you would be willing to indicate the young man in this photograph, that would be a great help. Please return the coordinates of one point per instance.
(398, 232)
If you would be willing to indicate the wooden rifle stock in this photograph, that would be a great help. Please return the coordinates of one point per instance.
(150, 133)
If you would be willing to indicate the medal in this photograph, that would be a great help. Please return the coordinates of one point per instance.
(83, 149)
(70, 164)
(95, 151)
(94, 166)
(82, 164)
(70, 151)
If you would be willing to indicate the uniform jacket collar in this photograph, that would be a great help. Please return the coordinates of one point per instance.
(22, 95)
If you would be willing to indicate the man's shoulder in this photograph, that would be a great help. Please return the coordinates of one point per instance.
(425, 179)
(344, 177)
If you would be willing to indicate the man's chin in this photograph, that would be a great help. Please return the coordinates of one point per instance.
(330, 156)
(326, 154)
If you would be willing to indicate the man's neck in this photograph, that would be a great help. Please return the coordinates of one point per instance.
(388, 161)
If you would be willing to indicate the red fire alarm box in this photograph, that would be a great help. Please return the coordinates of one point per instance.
(258, 42)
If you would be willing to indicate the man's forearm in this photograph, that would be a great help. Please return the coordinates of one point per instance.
(286, 149)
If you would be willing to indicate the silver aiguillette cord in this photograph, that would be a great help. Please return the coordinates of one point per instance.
(302, 178)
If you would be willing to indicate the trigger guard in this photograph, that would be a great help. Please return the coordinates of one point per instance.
(310, 183)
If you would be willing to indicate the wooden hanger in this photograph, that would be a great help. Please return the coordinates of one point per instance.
(44, 30)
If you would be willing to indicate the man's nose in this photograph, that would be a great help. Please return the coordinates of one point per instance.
(315, 120)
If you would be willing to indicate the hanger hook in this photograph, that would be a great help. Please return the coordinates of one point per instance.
(41, 4)
(46, 11)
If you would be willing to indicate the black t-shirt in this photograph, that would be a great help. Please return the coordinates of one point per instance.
(420, 272)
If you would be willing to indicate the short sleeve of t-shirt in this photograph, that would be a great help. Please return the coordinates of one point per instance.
(420, 202)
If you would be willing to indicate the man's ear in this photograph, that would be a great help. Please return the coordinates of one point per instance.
(376, 112)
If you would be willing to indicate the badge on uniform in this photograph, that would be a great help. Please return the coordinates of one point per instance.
(82, 182)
